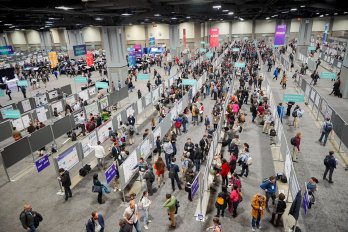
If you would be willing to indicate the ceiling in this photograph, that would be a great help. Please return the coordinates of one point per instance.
(44, 14)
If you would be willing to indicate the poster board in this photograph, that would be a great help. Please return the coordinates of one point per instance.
(130, 111)
(92, 92)
(128, 166)
(68, 159)
(58, 105)
(52, 94)
(90, 139)
(84, 94)
(104, 102)
(91, 109)
(103, 131)
(40, 100)
(70, 100)
(145, 148)
(26, 119)
(18, 124)
(26, 105)
(155, 95)
(41, 114)
(140, 106)
(148, 99)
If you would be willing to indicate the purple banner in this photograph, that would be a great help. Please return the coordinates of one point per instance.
(306, 202)
(42, 163)
(110, 173)
(138, 50)
(279, 37)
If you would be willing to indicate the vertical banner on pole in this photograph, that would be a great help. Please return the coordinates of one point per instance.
(214, 37)
(138, 50)
(326, 31)
(52, 56)
(279, 37)
(131, 57)
(89, 59)
(184, 37)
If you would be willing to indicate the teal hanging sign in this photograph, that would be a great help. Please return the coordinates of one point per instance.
(209, 55)
(189, 82)
(293, 98)
(236, 49)
(101, 85)
(11, 114)
(80, 79)
(239, 65)
(6, 50)
(328, 75)
(143, 76)
(311, 48)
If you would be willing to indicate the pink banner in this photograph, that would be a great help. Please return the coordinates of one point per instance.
(214, 37)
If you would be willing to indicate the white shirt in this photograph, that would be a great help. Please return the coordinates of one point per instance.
(77, 107)
(146, 203)
(99, 151)
(81, 120)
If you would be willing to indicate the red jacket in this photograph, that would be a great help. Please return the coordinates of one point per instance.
(234, 196)
(225, 169)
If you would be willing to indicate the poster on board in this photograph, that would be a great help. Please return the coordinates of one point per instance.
(90, 139)
(173, 113)
(84, 95)
(119, 120)
(155, 95)
(179, 107)
(70, 100)
(68, 159)
(92, 91)
(18, 124)
(130, 111)
(52, 94)
(104, 102)
(156, 133)
(139, 106)
(26, 105)
(128, 166)
(92, 109)
(103, 131)
(148, 99)
(26, 120)
(40, 100)
(145, 148)
(41, 114)
(58, 105)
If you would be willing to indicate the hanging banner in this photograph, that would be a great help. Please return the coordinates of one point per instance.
(138, 51)
(80, 50)
(279, 37)
(52, 56)
(184, 37)
(131, 57)
(6, 50)
(89, 59)
(214, 37)
(326, 32)
(152, 41)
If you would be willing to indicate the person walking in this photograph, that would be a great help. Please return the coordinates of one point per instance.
(168, 152)
(283, 81)
(131, 215)
(235, 198)
(99, 188)
(244, 160)
(225, 169)
(99, 153)
(221, 201)
(64, 178)
(257, 210)
(217, 225)
(124, 226)
(330, 163)
(160, 167)
(296, 142)
(278, 210)
(81, 121)
(30, 219)
(268, 120)
(270, 187)
(144, 206)
(326, 129)
(174, 174)
(171, 205)
(95, 223)
(280, 111)
(149, 178)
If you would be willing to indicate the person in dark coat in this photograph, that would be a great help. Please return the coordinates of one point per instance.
(66, 182)
(96, 182)
(149, 179)
(124, 226)
(198, 157)
(221, 207)
(330, 165)
(95, 223)
(30, 219)
(189, 177)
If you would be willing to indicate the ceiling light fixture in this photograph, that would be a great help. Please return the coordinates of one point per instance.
(8, 24)
(345, 12)
(285, 12)
(188, 17)
(174, 18)
(231, 13)
(12, 27)
(293, 9)
(221, 19)
(126, 14)
(317, 13)
(216, 6)
(210, 19)
(225, 10)
(302, 6)
(63, 8)
(267, 18)
(98, 19)
(321, 16)
(157, 15)
(335, 13)
(241, 19)
(326, 14)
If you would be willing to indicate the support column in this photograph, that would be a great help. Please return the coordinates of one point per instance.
(230, 31)
(197, 27)
(304, 36)
(4, 39)
(344, 77)
(46, 40)
(174, 39)
(253, 30)
(114, 41)
(72, 38)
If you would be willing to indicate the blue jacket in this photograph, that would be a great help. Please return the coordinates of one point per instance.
(269, 186)
(90, 226)
(280, 110)
(276, 72)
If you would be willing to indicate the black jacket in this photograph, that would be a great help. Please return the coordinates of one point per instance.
(65, 179)
(90, 226)
(198, 154)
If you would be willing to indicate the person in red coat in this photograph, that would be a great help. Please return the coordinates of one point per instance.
(225, 169)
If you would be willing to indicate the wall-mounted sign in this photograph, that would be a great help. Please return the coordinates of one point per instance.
(80, 50)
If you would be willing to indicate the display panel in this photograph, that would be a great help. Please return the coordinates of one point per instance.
(90, 139)
(103, 131)
(68, 159)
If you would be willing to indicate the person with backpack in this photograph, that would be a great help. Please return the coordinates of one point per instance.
(225, 169)
(270, 187)
(330, 163)
(326, 129)
(257, 210)
(235, 199)
(149, 178)
(245, 160)
(95, 223)
(30, 219)
(144, 205)
(177, 124)
(296, 142)
(221, 201)
(174, 174)
(171, 204)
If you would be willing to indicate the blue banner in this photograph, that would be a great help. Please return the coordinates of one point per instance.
(6, 50)
(195, 186)
(110, 173)
(42, 163)
(152, 41)
(101, 85)
(306, 202)
(80, 50)
(131, 58)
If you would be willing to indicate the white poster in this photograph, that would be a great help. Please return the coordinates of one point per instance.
(92, 91)
(317, 100)
(58, 105)
(179, 107)
(26, 120)
(9, 107)
(119, 120)
(18, 124)
(90, 139)
(104, 102)
(91, 109)
(173, 113)
(26, 105)
(145, 148)
(308, 88)
(41, 114)
(84, 94)
(130, 111)
(40, 100)
(147, 99)
(140, 105)
(155, 95)
(199, 83)
(70, 100)
(156, 133)
(53, 94)
(128, 166)
(68, 159)
(103, 131)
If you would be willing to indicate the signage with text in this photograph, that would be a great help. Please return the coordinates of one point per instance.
(239, 65)
(143, 76)
(80, 50)
(11, 114)
(195, 186)
(110, 173)
(101, 85)
(189, 82)
(279, 37)
(42, 163)
(52, 56)
(80, 79)
(293, 98)
(6, 50)
(328, 75)
(214, 37)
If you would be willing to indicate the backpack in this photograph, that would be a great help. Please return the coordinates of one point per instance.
(292, 141)
(73, 136)
(177, 124)
(190, 164)
(177, 205)
(294, 113)
(91, 126)
(233, 148)
(249, 161)
(328, 127)
(172, 171)
(37, 219)
(220, 200)
(196, 111)
(131, 131)
(152, 177)
(272, 132)
(326, 160)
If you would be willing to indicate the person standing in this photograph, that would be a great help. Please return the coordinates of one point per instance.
(99, 153)
(160, 167)
(170, 204)
(330, 163)
(225, 169)
(145, 203)
(221, 201)
(270, 187)
(257, 210)
(30, 219)
(66, 182)
(234, 197)
(149, 178)
(81, 123)
(296, 142)
(217, 225)
(326, 129)
(95, 223)
(168, 152)
(268, 120)
(244, 160)
(174, 174)
(148, 85)
(280, 111)
(8, 92)
(288, 110)
(131, 215)
(278, 209)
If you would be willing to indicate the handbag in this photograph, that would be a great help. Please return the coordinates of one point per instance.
(96, 188)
